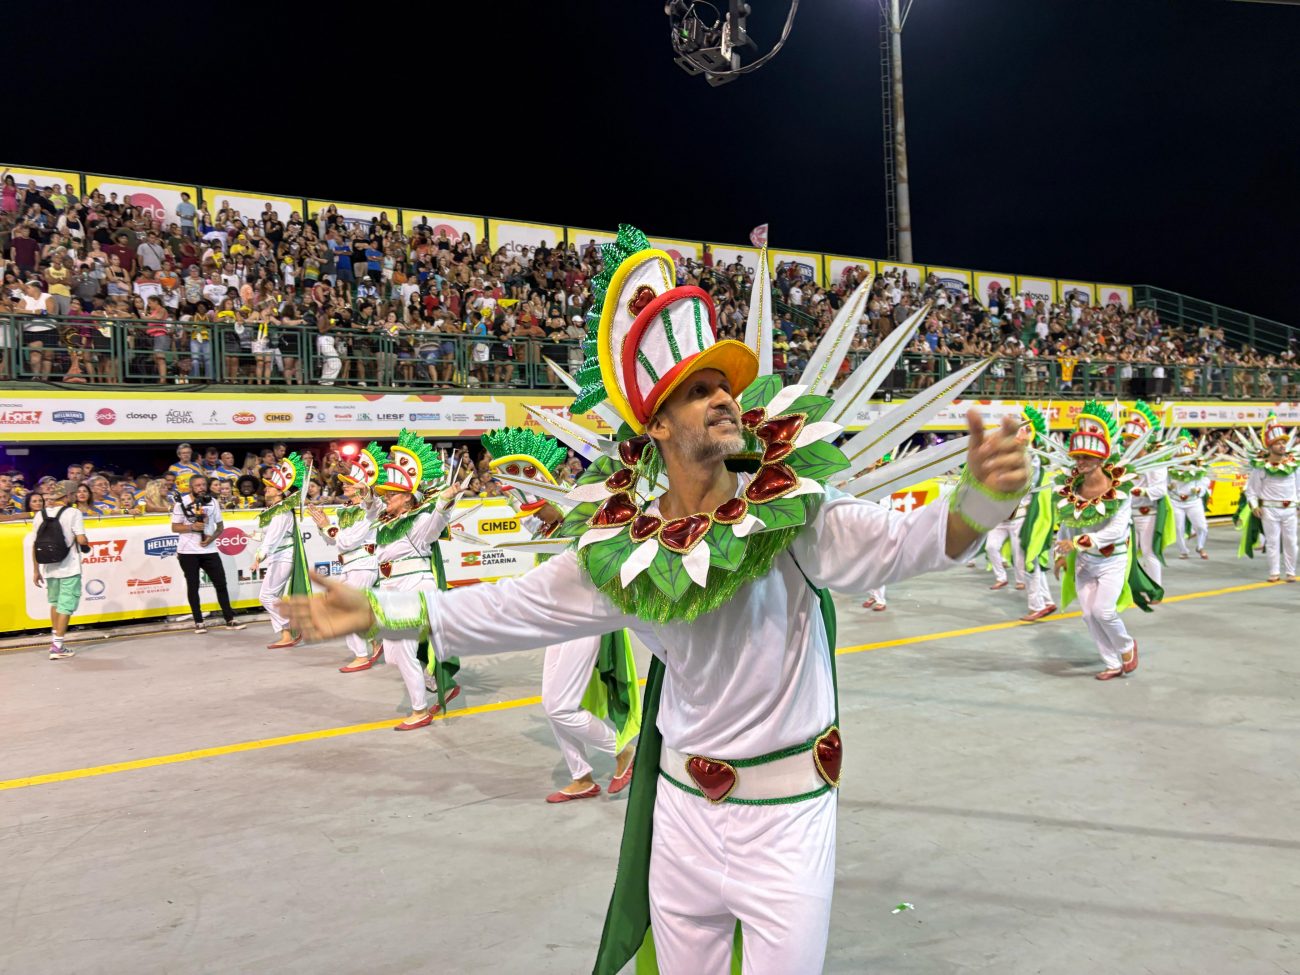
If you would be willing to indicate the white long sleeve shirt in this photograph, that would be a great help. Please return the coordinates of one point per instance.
(355, 537)
(751, 677)
(277, 540)
(1195, 489)
(1148, 488)
(1262, 486)
(418, 541)
(1113, 531)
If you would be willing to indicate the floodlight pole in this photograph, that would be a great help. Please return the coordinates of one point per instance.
(896, 129)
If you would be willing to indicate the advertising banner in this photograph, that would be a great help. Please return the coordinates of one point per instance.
(251, 206)
(454, 224)
(954, 280)
(132, 571)
(1115, 294)
(158, 200)
(581, 238)
(1085, 291)
(44, 177)
(679, 250)
(725, 255)
(803, 267)
(515, 235)
(1038, 290)
(986, 281)
(353, 214)
(558, 405)
(912, 273)
(838, 268)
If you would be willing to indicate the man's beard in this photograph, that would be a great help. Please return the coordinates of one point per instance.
(703, 447)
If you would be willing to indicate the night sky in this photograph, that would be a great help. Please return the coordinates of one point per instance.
(1133, 141)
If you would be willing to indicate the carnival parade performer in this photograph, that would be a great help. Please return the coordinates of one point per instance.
(1035, 524)
(416, 513)
(281, 549)
(1152, 514)
(1272, 466)
(725, 576)
(584, 680)
(354, 536)
(1189, 490)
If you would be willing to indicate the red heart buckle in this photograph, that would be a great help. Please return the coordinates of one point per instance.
(828, 756)
(715, 779)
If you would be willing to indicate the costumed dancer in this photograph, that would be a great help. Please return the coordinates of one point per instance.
(281, 550)
(584, 680)
(1152, 514)
(729, 838)
(1189, 491)
(416, 513)
(1035, 525)
(354, 536)
(1094, 545)
(1272, 468)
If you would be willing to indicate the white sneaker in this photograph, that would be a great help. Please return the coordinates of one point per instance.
(61, 653)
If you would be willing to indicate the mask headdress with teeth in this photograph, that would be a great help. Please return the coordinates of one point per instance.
(527, 454)
(1141, 423)
(288, 475)
(1094, 432)
(367, 466)
(413, 467)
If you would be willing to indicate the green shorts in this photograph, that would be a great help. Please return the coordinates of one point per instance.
(65, 594)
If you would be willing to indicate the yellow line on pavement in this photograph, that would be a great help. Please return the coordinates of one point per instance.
(353, 729)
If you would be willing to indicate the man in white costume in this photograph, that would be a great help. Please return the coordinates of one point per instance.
(723, 576)
(281, 548)
(1273, 493)
(1189, 486)
(1149, 491)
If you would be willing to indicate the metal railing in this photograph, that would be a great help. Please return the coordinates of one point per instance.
(1262, 334)
(135, 352)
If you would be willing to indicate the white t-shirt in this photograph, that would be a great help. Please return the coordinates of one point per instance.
(73, 525)
(188, 543)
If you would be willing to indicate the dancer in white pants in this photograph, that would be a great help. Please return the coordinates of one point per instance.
(279, 527)
(1150, 488)
(1007, 531)
(875, 600)
(413, 519)
(1273, 493)
(1188, 501)
(354, 536)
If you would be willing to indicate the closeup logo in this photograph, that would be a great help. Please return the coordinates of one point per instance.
(468, 559)
(105, 417)
(161, 546)
(232, 541)
(278, 417)
(498, 526)
(142, 416)
(244, 418)
(101, 552)
(24, 417)
(68, 416)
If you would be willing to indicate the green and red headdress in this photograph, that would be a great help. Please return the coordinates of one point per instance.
(413, 467)
(1142, 421)
(525, 453)
(1273, 430)
(367, 466)
(288, 475)
(1036, 421)
(1094, 432)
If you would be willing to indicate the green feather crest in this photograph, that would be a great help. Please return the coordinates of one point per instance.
(299, 469)
(1153, 418)
(1036, 420)
(509, 441)
(1098, 409)
(430, 462)
(592, 391)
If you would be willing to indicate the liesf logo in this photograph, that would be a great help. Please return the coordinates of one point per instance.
(232, 541)
(498, 526)
(105, 552)
(106, 417)
(161, 546)
(278, 417)
(243, 417)
(68, 416)
(20, 416)
(389, 416)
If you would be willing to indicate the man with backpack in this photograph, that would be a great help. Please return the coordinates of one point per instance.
(58, 539)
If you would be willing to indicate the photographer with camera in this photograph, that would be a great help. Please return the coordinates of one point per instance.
(58, 541)
(196, 518)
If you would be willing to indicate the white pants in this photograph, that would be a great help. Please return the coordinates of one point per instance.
(274, 584)
(1146, 555)
(1193, 512)
(566, 672)
(1098, 582)
(771, 867)
(877, 594)
(1037, 590)
(1280, 538)
(401, 653)
(993, 546)
(363, 579)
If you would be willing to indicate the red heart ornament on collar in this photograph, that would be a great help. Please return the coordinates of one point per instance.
(714, 779)
(681, 534)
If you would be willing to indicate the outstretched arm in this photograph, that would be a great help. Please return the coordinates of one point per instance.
(550, 604)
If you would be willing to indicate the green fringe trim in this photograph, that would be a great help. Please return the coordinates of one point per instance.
(1187, 474)
(400, 527)
(646, 601)
(1284, 469)
(350, 515)
(287, 503)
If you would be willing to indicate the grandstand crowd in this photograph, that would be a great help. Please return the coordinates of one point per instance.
(278, 299)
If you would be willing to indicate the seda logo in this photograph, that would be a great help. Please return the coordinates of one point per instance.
(243, 417)
(232, 541)
(105, 417)
(150, 206)
(101, 552)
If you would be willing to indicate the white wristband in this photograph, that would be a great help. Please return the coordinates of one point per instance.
(981, 508)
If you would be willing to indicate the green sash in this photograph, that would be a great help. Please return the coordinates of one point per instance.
(300, 580)
(444, 671)
(612, 692)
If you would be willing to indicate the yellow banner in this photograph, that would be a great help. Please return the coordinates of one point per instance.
(837, 268)
(251, 206)
(158, 201)
(952, 278)
(1084, 290)
(455, 224)
(356, 213)
(514, 235)
(800, 266)
(44, 177)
